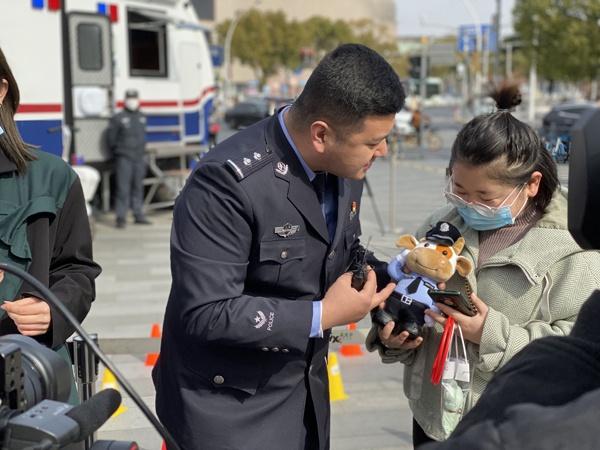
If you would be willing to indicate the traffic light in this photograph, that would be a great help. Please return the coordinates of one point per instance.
(414, 71)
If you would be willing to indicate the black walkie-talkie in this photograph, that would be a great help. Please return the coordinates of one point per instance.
(359, 268)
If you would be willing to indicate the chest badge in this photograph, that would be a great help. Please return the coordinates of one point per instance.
(353, 210)
(282, 168)
(286, 230)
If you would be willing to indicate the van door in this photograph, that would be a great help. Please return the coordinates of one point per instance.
(92, 81)
(190, 69)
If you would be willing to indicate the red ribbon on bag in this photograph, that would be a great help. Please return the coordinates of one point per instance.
(440, 358)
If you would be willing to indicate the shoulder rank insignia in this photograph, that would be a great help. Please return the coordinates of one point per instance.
(248, 163)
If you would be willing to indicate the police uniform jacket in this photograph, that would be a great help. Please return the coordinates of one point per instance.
(250, 252)
(126, 134)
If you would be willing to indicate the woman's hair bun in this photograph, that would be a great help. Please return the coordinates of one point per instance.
(507, 96)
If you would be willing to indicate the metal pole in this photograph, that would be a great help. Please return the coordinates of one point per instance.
(227, 56)
(509, 60)
(497, 21)
(533, 74)
(423, 93)
(477, 23)
(86, 365)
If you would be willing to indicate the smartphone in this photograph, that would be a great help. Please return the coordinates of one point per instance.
(454, 299)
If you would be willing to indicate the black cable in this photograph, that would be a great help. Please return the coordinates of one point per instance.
(54, 301)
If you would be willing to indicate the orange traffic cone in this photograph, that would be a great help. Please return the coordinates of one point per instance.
(351, 349)
(152, 358)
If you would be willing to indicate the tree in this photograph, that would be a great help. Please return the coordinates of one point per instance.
(267, 41)
(562, 35)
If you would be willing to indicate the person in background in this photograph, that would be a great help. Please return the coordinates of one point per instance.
(44, 230)
(530, 276)
(263, 235)
(126, 137)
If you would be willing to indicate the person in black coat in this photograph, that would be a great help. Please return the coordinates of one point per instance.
(263, 233)
(44, 230)
(126, 137)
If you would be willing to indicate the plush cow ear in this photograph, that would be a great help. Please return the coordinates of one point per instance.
(459, 245)
(407, 241)
(463, 266)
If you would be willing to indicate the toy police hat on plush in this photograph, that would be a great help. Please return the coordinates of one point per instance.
(417, 269)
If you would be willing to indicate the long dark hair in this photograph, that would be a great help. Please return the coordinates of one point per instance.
(11, 143)
(500, 137)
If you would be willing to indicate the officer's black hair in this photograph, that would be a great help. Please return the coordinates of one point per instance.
(349, 84)
(501, 138)
(11, 143)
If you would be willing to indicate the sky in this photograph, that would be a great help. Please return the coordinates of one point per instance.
(442, 17)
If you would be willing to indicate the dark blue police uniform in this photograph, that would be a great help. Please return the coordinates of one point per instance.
(250, 252)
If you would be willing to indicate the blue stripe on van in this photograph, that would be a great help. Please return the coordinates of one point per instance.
(157, 121)
(47, 134)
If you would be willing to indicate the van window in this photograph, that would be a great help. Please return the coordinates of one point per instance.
(147, 44)
(89, 48)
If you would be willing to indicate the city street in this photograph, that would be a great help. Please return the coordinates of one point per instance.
(133, 289)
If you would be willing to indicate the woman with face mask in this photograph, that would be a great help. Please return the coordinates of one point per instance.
(530, 276)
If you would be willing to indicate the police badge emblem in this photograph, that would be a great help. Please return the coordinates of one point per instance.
(286, 230)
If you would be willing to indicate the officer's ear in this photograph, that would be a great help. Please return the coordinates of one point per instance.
(320, 135)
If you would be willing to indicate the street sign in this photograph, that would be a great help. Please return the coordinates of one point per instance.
(216, 54)
(467, 38)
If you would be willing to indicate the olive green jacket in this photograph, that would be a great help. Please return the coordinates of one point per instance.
(533, 288)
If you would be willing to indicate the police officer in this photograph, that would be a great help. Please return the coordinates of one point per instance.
(127, 139)
(263, 233)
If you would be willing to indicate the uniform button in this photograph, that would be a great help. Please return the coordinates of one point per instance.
(331, 254)
(284, 254)
(218, 379)
(284, 350)
(265, 349)
(275, 349)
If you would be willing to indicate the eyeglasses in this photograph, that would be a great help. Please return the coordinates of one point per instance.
(484, 210)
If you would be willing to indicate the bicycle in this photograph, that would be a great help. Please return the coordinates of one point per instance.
(560, 148)
(432, 141)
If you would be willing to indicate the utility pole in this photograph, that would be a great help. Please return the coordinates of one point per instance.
(497, 23)
(423, 92)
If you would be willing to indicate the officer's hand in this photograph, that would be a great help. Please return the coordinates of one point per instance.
(343, 304)
(31, 315)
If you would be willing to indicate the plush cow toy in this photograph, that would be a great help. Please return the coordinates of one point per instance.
(417, 269)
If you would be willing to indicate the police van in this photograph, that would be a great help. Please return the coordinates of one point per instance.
(74, 60)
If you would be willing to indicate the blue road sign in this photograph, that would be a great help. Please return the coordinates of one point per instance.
(467, 38)
(216, 53)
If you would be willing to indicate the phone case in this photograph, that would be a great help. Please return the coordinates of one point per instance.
(454, 299)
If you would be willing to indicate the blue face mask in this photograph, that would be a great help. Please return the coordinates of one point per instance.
(501, 218)
(482, 217)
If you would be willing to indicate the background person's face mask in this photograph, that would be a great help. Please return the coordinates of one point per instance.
(481, 217)
(132, 104)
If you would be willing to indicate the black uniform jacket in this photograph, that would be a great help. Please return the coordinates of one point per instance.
(250, 252)
(60, 245)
